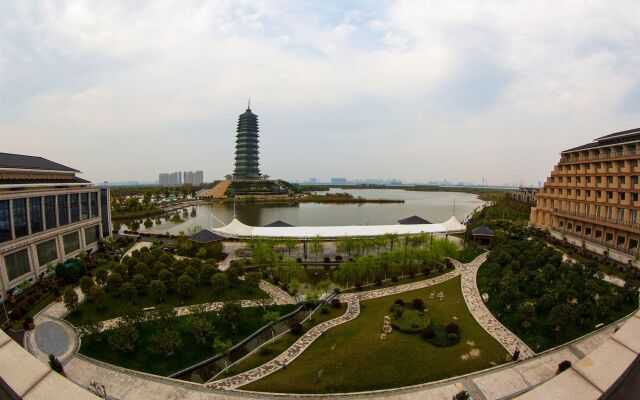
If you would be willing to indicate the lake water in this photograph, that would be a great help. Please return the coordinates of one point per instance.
(433, 206)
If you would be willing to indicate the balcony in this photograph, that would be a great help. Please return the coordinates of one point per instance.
(596, 218)
(602, 156)
(606, 244)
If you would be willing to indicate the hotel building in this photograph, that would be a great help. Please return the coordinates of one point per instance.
(47, 215)
(591, 197)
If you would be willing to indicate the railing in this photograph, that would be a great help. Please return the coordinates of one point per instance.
(601, 156)
(630, 224)
(632, 251)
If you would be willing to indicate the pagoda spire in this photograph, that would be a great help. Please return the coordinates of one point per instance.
(247, 160)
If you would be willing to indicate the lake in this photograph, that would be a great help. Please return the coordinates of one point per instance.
(434, 206)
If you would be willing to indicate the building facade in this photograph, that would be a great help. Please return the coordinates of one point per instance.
(247, 161)
(591, 197)
(526, 195)
(47, 215)
(175, 179)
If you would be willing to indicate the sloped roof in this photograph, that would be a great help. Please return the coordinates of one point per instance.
(619, 134)
(413, 220)
(205, 236)
(482, 231)
(19, 161)
(277, 223)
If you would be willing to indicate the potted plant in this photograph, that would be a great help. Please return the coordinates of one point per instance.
(28, 324)
(56, 365)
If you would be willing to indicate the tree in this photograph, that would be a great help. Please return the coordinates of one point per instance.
(222, 347)
(101, 276)
(96, 296)
(560, 317)
(140, 283)
(166, 341)
(124, 338)
(201, 328)
(185, 285)
(70, 299)
(114, 282)
(324, 285)
(192, 272)
(207, 272)
(85, 284)
(168, 278)
(219, 283)
(271, 317)
(527, 309)
(128, 291)
(290, 245)
(158, 289)
(252, 279)
(317, 246)
(231, 313)
(55, 364)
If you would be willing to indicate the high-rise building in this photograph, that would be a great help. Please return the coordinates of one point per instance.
(47, 215)
(247, 163)
(175, 179)
(338, 181)
(591, 197)
(198, 178)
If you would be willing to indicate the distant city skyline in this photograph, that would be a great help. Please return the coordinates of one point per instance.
(405, 90)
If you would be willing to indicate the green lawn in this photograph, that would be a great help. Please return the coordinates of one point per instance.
(202, 294)
(274, 349)
(142, 359)
(401, 281)
(352, 357)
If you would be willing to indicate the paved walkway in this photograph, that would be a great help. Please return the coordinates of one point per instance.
(52, 334)
(481, 313)
(137, 246)
(277, 296)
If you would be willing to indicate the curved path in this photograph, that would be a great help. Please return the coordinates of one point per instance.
(481, 313)
(277, 296)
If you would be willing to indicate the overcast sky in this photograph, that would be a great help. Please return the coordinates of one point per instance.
(414, 90)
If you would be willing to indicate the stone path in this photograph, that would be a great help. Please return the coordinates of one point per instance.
(277, 296)
(481, 313)
(353, 310)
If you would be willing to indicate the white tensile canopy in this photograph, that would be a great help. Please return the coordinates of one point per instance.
(236, 229)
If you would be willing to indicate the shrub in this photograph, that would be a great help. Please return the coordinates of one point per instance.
(252, 279)
(185, 285)
(296, 328)
(336, 290)
(219, 282)
(426, 272)
(338, 258)
(394, 278)
(399, 302)
(70, 299)
(128, 291)
(31, 299)
(408, 320)
(563, 365)
(358, 285)
(412, 274)
(324, 310)
(327, 260)
(417, 304)
(428, 333)
(55, 364)
(441, 338)
(462, 395)
(158, 289)
(378, 282)
(114, 281)
(452, 328)
(335, 303)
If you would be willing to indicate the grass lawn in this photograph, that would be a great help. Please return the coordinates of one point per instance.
(142, 359)
(352, 357)
(274, 349)
(201, 294)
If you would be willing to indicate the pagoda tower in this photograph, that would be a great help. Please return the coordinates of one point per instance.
(247, 164)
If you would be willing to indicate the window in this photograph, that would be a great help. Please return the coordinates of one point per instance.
(20, 217)
(35, 214)
(578, 179)
(633, 244)
(588, 179)
(623, 195)
(75, 212)
(609, 212)
(569, 226)
(609, 237)
(634, 216)
(587, 209)
(622, 179)
(50, 212)
(598, 193)
(610, 195)
(17, 264)
(71, 242)
(561, 224)
(609, 179)
(91, 235)
(5, 221)
(609, 164)
(588, 193)
(47, 252)
(63, 209)
(577, 192)
(84, 205)
(569, 192)
(621, 164)
(568, 179)
(598, 179)
(634, 196)
(578, 228)
(598, 234)
(587, 231)
(621, 214)
(598, 165)
(620, 241)
(94, 204)
(104, 211)
(634, 179)
(634, 163)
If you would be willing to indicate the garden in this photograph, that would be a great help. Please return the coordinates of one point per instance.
(546, 301)
(445, 341)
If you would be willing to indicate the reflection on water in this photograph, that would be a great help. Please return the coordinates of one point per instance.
(433, 206)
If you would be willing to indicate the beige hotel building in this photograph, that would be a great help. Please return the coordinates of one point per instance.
(47, 215)
(591, 197)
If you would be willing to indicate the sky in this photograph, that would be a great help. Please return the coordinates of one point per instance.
(413, 90)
